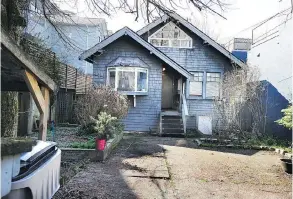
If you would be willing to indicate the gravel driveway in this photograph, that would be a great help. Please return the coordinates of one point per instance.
(156, 167)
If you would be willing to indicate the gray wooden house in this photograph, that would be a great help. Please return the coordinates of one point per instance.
(170, 71)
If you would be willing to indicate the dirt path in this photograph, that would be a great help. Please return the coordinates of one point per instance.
(153, 167)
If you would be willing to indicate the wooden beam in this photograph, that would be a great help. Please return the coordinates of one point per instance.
(35, 90)
(20, 58)
(44, 115)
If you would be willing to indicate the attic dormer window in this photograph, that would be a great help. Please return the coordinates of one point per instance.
(170, 35)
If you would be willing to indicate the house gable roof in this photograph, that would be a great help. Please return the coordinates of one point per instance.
(127, 31)
(196, 31)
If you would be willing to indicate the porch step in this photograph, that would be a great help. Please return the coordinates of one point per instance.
(173, 131)
(172, 124)
(168, 121)
(166, 117)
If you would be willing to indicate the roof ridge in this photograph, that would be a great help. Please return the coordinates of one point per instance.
(196, 31)
(86, 54)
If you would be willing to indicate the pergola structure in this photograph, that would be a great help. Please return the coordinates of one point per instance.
(19, 73)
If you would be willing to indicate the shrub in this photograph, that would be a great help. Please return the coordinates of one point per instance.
(286, 120)
(90, 144)
(100, 99)
(105, 126)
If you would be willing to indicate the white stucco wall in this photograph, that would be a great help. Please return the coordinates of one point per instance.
(274, 59)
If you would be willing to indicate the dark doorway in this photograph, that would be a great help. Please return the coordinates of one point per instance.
(167, 91)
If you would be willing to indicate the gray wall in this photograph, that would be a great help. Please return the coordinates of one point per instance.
(202, 58)
(145, 115)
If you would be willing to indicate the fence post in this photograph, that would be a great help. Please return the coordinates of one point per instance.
(85, 78)
(66, 78)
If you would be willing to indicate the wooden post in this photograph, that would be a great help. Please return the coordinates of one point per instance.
(44, 115)
(35, 90)
(41, 99)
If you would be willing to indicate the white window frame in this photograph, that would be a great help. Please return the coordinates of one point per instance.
(219, 82)
(131, 69)
(171, 39)
(202, 83)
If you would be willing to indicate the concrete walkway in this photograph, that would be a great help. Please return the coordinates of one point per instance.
(156, 167)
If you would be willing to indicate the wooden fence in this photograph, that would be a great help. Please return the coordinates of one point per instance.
(73, 84)
(70, 80)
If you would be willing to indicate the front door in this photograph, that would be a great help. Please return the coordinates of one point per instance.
(167, 91)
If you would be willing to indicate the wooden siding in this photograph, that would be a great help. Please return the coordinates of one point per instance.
(201, 58)
(145, 116)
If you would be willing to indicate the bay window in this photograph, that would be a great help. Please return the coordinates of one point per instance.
(128, 79)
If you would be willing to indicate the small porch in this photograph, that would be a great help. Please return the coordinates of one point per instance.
(173, 105)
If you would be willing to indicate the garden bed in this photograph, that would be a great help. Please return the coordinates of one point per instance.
(111, 145)
(234, 144)
(64, 136)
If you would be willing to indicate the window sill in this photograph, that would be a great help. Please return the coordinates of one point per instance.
(194, 97)
(200, 97)
(132, 93)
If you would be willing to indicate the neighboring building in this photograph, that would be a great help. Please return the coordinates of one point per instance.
(170, 71)
(77, 35)
(271, 51)
(239, 48)
(268, 108)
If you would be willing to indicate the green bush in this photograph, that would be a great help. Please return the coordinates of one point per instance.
(286, 120)
(90, 144)
(270, 141)
(104, 127)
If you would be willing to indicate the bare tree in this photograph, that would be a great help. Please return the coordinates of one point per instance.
(204, 25)
(241, 111)
(146, 9)
(100, 99)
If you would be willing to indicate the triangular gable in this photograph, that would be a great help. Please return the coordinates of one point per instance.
(196, 31)
(126, 31)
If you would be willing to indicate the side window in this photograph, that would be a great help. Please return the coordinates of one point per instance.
(196, 84)
(213, 85)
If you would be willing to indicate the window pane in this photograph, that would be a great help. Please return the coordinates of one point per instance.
(155, 42)
(212, 89)
(175, 43)
(126, 81)
(168, 35)
(164, 43)
(112, 74)
(198, 76)
(195, 88)
(213, 77)
(142, 80)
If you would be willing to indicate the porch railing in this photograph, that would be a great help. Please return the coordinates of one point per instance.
(184, 110)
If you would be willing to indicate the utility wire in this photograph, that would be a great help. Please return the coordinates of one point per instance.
(258, 23)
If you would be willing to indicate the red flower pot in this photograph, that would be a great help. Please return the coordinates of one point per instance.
(100, 144)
